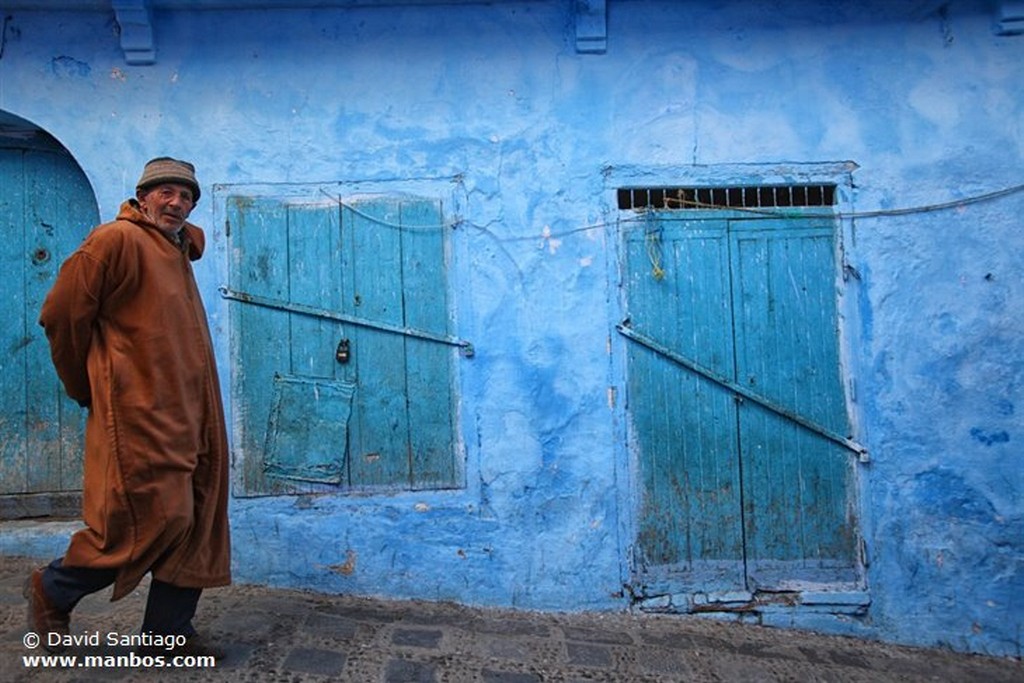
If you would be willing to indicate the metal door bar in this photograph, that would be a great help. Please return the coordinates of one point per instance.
(740, 390)
(314, 312)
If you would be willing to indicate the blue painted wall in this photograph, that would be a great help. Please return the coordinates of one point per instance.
(495, 102)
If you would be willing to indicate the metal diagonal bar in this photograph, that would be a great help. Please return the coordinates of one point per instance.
(314, 312)
(740, 390)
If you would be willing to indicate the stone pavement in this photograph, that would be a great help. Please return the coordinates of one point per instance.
(293, 636)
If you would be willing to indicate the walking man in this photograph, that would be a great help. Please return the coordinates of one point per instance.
(129, 340)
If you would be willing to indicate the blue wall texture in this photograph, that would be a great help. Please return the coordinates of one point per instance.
(922, 104)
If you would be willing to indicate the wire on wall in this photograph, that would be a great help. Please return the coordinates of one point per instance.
(351, 206)
(643, 218)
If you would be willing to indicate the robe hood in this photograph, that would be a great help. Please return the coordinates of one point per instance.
(194, 237)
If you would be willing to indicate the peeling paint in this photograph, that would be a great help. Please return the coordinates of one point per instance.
(989, 438)
(69, 67)
(348, 567)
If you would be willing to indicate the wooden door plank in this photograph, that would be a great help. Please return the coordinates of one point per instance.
(314, 279)
(260, 342)
(380, 422)
(429, 364)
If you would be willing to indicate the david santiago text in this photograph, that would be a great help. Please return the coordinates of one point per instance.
(113, 639)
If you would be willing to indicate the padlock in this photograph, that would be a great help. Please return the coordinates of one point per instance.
(341, 354)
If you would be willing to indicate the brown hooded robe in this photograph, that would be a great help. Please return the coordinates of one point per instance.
(128, 337)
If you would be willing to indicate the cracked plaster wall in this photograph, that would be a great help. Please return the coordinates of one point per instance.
(928, 104)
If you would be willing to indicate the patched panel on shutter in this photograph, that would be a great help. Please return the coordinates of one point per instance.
(307, 433)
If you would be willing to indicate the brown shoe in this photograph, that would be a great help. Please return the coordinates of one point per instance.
(44, 617)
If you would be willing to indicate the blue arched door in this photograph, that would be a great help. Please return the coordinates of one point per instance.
(46, 208)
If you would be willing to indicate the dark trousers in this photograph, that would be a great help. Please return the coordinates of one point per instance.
(169, 609)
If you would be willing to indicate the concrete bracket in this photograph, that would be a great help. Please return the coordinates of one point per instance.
(591, 26)
(1010, 18)
(136, 31)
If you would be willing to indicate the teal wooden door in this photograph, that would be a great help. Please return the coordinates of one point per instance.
(736, 405)
(46, 208)
(684, 424)
(343, 372)
(797, 485)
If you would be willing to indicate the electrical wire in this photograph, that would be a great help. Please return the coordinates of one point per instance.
(351, 206)
(643, 217)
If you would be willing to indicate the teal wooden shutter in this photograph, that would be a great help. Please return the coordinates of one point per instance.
(369, 276)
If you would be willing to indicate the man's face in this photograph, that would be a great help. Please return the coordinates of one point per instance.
(167, 205)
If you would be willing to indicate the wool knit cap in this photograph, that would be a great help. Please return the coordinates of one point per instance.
(168, 170)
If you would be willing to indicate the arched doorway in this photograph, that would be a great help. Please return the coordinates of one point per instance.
(46, 208)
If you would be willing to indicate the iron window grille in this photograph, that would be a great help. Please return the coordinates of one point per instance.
(761, 196)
